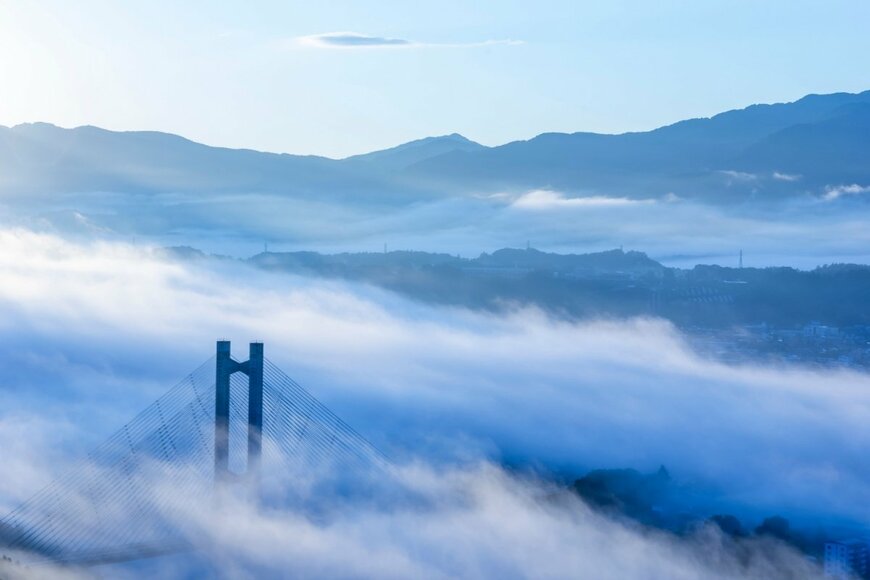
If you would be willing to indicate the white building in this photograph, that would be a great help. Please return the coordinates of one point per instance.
(847, 559)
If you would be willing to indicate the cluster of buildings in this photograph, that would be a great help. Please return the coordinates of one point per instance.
(813, 343)
(847, 559)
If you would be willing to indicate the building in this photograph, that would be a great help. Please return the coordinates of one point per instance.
(847, 559)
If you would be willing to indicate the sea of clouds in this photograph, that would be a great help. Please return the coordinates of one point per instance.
(474, 521)
(94, 331)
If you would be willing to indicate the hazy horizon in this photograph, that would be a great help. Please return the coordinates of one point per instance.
(299, 78)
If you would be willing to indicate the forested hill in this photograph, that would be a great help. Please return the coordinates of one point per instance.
(614, 283)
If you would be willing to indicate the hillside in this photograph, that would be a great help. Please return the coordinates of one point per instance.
(762, 151)
(779, 149)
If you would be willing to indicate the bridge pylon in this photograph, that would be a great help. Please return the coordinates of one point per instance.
(226, 366)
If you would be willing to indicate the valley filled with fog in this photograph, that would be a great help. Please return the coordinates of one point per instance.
(787, 183)
(635, 355)
(450, 393)
(802, 233)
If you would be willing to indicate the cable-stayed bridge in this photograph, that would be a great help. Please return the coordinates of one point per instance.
(227, 425)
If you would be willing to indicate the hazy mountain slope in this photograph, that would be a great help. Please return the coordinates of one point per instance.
(743, 126)
(407, 154)
(38, 158)
(832, 151)
(685, 154)
(734, 156)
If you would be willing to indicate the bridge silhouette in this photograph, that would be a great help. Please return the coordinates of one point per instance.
(211, 432)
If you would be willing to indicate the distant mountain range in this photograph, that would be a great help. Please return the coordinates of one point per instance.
(760, 152)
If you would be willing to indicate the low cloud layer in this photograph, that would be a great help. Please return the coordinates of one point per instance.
(97, 331)
(476, 522)
(669, 228)
(472, 522)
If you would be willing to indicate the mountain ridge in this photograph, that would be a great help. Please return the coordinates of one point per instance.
(818, 139)
(863, 96)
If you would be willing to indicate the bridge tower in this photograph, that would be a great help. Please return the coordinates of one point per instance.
(253, 368)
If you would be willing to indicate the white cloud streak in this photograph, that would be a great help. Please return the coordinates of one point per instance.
(738, 175)
(833, 192)
(543, 199)
(357, 41)
(790, 177)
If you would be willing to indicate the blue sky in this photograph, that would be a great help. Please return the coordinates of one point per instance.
(262, 75)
